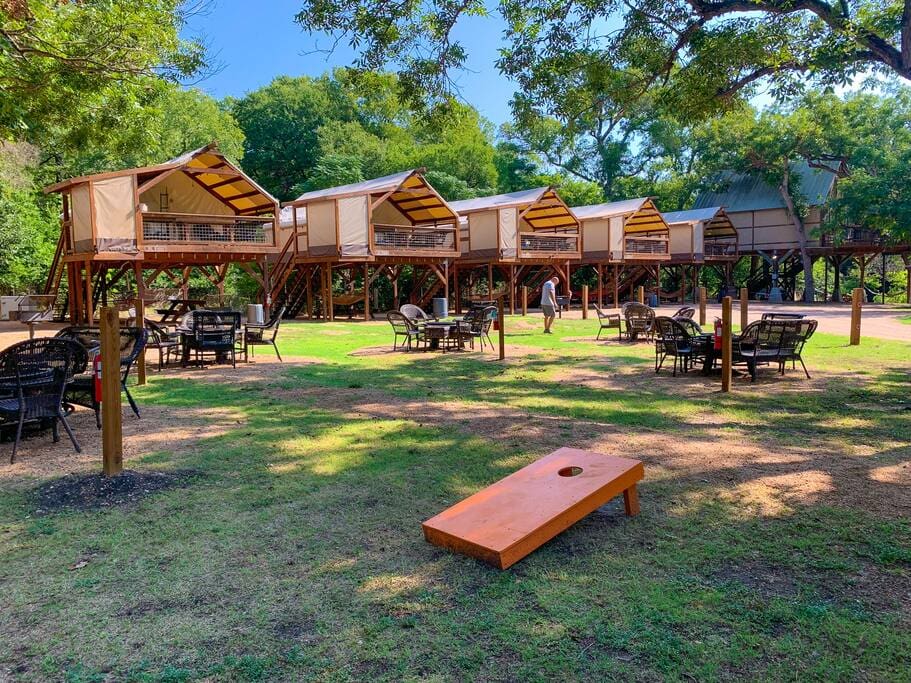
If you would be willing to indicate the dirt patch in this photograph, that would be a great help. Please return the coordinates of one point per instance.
(94, 491)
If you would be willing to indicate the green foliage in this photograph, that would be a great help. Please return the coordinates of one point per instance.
(307, 133)
(76, 68)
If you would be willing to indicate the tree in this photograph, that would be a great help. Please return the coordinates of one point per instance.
(700, 54)
(75, 66)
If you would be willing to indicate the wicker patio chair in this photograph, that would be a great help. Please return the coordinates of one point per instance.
(792, 349)
(162, 340)
(686, 312)
(763, 342)
(640, 319)
(783, 316)
(672, 339)
(264, 335)
(81, 390)
(214, 333)
(608, 321)
(403, 326)
(35, 373)
(481, 324)
(415, 314)
(691, 326)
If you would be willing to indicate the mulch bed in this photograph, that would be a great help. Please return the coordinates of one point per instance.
(95, 491)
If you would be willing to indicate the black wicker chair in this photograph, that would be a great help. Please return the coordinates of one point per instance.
(81, 390)
(640, 319)
(214, 333)
(164, 340)
(792, 350)
(478, 324)
(33, 378)
(415, 314)
(764, 342)
(686, 312)
(264, 335)
(672, 339)
(403, 326)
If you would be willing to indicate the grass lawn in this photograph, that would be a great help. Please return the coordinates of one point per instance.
(773, 542)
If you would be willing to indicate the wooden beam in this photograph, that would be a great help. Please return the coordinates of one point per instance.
(726, 349)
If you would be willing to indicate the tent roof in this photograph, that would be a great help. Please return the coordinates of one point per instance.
(715, 219)
(749, 192)
(408, 191)
(640, 214)
(540, 207)
(609, 209)
(207, 167)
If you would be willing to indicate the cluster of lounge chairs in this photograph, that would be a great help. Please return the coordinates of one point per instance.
(777, 339)
(413, 328)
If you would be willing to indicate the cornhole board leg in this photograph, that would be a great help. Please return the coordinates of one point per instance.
(518, 514)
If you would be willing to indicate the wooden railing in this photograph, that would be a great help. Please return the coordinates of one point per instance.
(852, 236)
(424, 238)
(535, 243)
(646, 246)
(720, 248)
(190, 228)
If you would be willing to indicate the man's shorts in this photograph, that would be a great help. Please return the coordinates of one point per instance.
(549, 311)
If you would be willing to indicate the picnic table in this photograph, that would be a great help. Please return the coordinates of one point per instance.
(177, 308)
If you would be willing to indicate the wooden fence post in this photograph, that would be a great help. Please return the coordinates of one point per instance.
(857, 297)
(524, 299)
(744, 308)
(702, 295)
(111, 434)
(641, 294)
(726, 344)
(584, 302)
(501, 320)
(140, 307)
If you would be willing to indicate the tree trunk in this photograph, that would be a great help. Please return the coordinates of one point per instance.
(809, 287)
(906, 259)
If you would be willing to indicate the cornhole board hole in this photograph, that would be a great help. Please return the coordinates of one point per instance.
(509, 519)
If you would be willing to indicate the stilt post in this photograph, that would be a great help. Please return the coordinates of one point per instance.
(111, 428)
(726, 344)
(857, 297)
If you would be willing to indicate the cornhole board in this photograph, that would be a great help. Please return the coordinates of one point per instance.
(509, 519)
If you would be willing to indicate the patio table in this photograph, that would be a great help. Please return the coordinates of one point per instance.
(441, 331)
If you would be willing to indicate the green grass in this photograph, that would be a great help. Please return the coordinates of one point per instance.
(297, 554)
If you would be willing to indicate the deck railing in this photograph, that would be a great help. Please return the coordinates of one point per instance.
(646, 246)
(720, 248)
(534, 243)
(424, 238)
(852, 236)
(170, 228)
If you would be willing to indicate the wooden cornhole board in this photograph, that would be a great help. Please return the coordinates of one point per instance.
(509, 519)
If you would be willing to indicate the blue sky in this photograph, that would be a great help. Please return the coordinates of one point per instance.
(255, 47)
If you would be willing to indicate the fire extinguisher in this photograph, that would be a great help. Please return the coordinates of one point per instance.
(96, 373)
(717, 334)
(496, 321)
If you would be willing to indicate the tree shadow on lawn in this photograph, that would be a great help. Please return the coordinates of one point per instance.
(305, 533)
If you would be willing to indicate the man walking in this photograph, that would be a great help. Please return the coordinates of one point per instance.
(549, 302)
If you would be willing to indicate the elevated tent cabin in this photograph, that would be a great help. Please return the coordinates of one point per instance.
(526, 235)
(701, 235)
(197, 210)
(625, 241)
(387, 222)
(632, 230)
(759, 212)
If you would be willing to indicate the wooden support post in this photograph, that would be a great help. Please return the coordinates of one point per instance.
(456, 290)
(446, 282)
(512, 290)
(726, 344)
(331, 306)
(489, 279)
(524, 299)
(641, 295)
(140, 306)
(584, 302)
(616, 286)
(702, 295)
(569, 291)
(367, 314)
(501, 320)
(267, 289)
(89, 296)
(857, 298)
(111, 434)
(744, 308)
(600, 286)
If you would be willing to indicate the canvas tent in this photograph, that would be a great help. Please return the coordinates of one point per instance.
(532, 224)
(701, 234)
(618, 231)
(396, 215)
